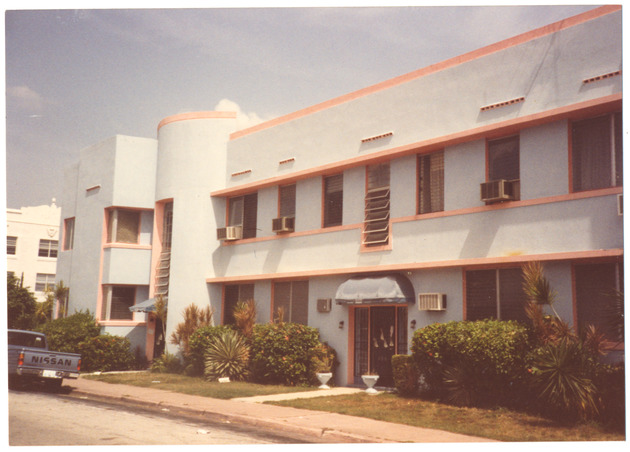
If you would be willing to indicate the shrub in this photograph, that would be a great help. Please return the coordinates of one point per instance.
(469, 362)
(405, 375)
(245, 317)
(167, 363)
(198, 344)
(21, 305)
(65, 334)
(105, 353)
(282, 353)
(227, 356)
(610, 382)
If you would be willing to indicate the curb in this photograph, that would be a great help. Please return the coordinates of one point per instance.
(324, 435)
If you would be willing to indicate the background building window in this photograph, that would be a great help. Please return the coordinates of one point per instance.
(594, 287)
(333, 200)
(44, 281)
(431, 182)
(124, 226)
(117, 302)
(11, 245)
(68, 234)
(495, 294)
(48, 248)
(233, 294)
(291, 298)
(596, 147)
(243, 211)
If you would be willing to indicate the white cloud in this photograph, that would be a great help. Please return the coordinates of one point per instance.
(25, 99)
(243, 120)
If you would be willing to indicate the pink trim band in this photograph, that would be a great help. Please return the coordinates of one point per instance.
(197, 115)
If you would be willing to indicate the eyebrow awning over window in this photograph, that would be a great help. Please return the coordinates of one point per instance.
(394, 288)
(145, 306)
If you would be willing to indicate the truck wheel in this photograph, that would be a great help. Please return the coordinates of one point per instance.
(53, 384)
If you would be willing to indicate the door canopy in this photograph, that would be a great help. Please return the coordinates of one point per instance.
(375, 289)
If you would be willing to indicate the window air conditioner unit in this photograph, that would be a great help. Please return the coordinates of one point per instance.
(230, 233)
(283, 224)
(497, 190)
(324, 304)
(431, 302)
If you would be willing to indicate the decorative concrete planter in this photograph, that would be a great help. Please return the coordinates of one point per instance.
(323, 378)
(370, 381)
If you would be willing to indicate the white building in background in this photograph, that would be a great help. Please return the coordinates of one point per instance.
(32, 246)
(410, 202)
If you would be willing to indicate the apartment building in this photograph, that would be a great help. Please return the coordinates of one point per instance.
(368, 216)
(32, 246)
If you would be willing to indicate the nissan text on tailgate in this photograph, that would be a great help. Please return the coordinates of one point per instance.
(30, 360)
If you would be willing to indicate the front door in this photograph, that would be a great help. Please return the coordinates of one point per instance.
(380, 332)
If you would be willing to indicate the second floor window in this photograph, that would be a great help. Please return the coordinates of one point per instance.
(596, 152)
(123, 226)
(286, 196)
(503, 159)
(333, 200)
(243, 211)
(48, 248)
(68, 234)
(11, 245)
(431, 182)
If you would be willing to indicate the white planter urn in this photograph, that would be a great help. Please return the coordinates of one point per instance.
(370, 381)
(323, 378)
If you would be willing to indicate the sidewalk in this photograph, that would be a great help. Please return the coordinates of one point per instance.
(316, 425)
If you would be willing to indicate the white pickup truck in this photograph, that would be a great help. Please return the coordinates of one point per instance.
(30, 360)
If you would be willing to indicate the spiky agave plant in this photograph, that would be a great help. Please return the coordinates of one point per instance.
(227, 356)
(561, 376)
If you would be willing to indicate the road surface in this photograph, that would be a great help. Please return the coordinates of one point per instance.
(38, 418)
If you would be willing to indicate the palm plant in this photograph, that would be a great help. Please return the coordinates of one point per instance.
(61, 294)
(227, 356)
(245, 317)
(194, 318)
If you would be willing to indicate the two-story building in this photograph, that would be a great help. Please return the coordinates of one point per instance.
(413, 201)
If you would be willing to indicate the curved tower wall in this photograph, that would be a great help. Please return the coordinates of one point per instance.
(191, 164)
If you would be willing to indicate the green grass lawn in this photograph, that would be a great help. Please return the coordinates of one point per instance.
(195, 385)
(498, 424)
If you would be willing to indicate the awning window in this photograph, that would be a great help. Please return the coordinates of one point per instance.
(394, 288)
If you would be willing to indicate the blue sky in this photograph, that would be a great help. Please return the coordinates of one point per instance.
(76, 77)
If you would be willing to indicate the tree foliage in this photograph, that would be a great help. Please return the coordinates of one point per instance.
(21, 305)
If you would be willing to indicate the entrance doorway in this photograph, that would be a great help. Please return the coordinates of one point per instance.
(380, 332)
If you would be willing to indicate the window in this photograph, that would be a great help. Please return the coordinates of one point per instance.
(431, 182)
(495, 294)
(594, 285)
(44, 281)
(376, 224)
(242, 211)
(333, 200)
(11, 245)
(286, 200)
(68, 234)
(291, 299)
(118, 300)
(233, 294)
(123, 226)
(503, 159)
(596, 153)
(48, 248)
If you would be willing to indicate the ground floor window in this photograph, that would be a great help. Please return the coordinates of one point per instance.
(595, 285)
(495, 294)
(290, 301)
(44, 282)
(233, 294)
(380, 332)
(116, 302)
